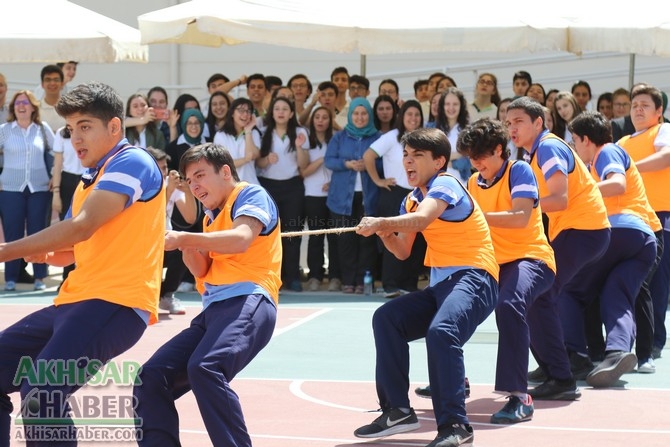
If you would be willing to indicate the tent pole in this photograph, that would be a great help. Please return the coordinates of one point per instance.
(631, 70)
(363, 64)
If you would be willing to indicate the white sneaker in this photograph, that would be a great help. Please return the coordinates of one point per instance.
(647, 366)
(186, 287)
(172, 305)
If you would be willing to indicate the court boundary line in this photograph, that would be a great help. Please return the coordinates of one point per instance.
(299, 393)
(301, 321)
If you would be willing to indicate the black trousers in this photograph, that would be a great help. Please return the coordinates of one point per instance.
(397, 274)
(318, 217)
(289, 195)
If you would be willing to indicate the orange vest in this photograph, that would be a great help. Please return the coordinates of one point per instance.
(259, 264)
(640, 147)
(464, 243)
(122, 262)
(511, 244)
(633, 201)
(586, 210)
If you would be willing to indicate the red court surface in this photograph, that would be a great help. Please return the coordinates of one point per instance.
(288, 404)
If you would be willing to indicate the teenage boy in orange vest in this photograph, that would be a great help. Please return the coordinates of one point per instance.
(508, 194)
(236, 261)
(463, 292)
(114, 232)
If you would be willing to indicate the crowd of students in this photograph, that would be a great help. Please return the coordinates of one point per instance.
(332, 163)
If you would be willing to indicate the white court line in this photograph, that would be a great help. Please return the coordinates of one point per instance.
(312, 439)
(577, 429)
(296, 389)
(301, 321)
(291, 306)
(491, 385)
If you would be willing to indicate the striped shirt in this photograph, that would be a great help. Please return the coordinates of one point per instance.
(23, 151)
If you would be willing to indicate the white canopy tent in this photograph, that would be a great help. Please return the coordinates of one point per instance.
(352, 25)
(58, 30)
(417, 26)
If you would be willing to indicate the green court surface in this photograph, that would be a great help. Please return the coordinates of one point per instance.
(312, 385)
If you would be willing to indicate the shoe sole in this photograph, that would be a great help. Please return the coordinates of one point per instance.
(607, 377)
(507, 421)
(401, 428)
(428, 396)
(646, 370)
(565, 395)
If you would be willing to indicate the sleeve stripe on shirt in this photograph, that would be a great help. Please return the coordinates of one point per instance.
(550, 164)
(126, 181)
(518, 189)
(612, 168)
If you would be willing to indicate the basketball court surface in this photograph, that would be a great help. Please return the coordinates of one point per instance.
(313, 385)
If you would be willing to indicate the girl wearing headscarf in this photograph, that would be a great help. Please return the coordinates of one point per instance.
(352, 193)
(193, 123)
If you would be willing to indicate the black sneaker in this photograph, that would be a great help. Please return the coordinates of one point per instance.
(608, 372)
(553, 389)
(424, 391)
(454, 436)
(656, 353)
(537, 375)
(580, 366)
(391, 422)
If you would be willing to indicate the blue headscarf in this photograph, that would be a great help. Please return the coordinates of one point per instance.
(360, 132)
(184, 119)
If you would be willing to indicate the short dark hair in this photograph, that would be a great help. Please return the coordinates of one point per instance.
(358, 79)
(420, 83)
(95, 99)
(522, 74)
(594, 125)
(301, 76)
(481, 138)
(49, 69)
(429, 140)
(272, 81)
(339, 70)
(255, 77)
(531, 107)
(325, 85)
(213, 154)
(621, 92)
(655, 94)
(217, 77)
